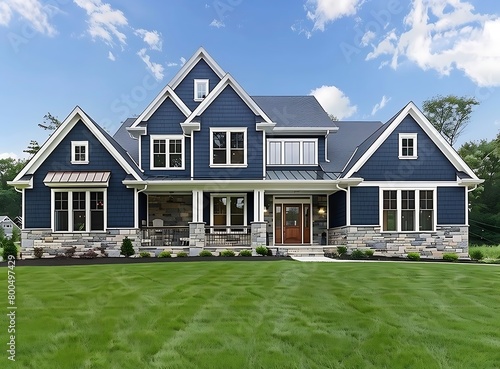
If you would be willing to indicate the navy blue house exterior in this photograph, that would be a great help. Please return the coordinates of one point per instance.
(206, 166)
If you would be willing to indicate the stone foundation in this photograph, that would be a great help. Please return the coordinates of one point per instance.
(446, 239)
(54, 244)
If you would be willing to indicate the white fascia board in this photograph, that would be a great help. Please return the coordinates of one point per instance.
(201, 53)
(305, 130)
(189, 128)
(469, 181)
(265, 126)
(427, 127)
(22, 184)
(228, 81)
(136, 132)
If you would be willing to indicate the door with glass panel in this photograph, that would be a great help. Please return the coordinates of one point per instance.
(292, 223)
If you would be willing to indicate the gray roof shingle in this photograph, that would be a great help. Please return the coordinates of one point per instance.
(128, 143)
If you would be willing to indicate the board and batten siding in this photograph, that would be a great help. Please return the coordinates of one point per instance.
(364, 206)
(451, 205)
(385, 165)
(120, 200)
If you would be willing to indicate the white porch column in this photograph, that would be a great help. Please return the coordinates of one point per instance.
(258, 205)
(197, 206)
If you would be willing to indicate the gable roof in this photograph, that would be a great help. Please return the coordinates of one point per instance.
(118, 153)
(372, 143)
(294, 111)
(128, 143)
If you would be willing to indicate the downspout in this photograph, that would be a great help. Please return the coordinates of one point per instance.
(326, 146)
(340, 188)
(469, 190)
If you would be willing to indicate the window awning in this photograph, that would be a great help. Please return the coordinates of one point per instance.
(77, 179)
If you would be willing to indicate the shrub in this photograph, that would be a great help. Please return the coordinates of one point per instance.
(450, 256)
(261, 250)
(476, 254)
(9, 248)
(357, 254)
(182, 254)
(165, 254)
(369, 253)
(341, 250)
(90, 254)
(38, 251)
(16, 235)
(245, 253)
(145, 254)
(205, 253)
(413, 256)
(227, 253)
(127, 249)
(70, 252)
(269, 252)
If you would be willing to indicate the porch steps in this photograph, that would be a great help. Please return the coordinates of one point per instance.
(310, 251)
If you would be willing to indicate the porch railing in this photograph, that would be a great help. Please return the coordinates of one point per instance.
(165, 236)
(224, 236)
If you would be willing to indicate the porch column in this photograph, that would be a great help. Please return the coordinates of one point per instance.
(258, 234)
(196, 238)
(197, 206)
(258, 206)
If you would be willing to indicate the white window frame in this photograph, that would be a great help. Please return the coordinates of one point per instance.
(399, 209)
(87, 209)
(167, 139)
(74, 145)
(228, 131)
(228, 208)
(301, 150)
(196, 87)
(403, 136)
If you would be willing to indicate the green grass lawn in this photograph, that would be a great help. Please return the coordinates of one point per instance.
(281, 314)
(489, 252)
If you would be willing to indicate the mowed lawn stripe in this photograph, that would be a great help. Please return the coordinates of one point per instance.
(258, 315)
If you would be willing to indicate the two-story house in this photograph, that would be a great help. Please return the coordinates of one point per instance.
(207, 165)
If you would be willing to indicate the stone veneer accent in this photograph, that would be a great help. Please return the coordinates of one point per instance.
(258, 230)
(57, 243)
(453, 239)
(196, 238)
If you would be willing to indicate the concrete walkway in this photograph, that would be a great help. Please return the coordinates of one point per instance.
(317, 259)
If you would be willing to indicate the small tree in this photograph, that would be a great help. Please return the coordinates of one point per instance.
(9, 249)
(16, 235)
(127, 249)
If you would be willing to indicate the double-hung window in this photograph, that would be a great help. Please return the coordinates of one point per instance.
(167, 152)
(78, 210)
(79, 152)
(407, 210)
(228, 147)
(292, 151)
(408, 146)
(228, 210)
(200, 89)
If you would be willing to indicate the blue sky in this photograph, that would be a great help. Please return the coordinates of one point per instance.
(363, 59)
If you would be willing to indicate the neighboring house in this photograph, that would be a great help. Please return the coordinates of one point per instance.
(8, 225)
(207, 165)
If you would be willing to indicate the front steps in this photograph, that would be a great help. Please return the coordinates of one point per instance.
(300, 251)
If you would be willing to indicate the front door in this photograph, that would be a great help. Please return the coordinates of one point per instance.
(292, 223)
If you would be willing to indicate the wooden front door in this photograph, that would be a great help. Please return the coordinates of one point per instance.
(292, 223)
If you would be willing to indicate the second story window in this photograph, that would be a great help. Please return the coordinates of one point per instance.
(167, 152)
(228, 147)
(200, 89)
(79, 152)
(408, 146)
(292, 151)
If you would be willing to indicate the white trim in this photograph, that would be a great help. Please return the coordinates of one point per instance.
(466, 207)
(290, 200)
(74, 145)
(348, 206)
(264, 155)
(301, 141)
(305, 130)
(258, 205)
(23, 210)
(412, 110)
(167, 139)
(228, 208)
(408, 185)
(140, 152)
(406, 136)
(191, 148)
(197, 83)
(136, 209)
(229, 131)
(55, 139)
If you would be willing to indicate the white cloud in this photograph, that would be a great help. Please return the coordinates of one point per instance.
(217, 24)
(367, 37)
(299, 28)
(104, 22)
(6, 155)
(322, 12)
(111, 56)
(381, 104)
(172, 64)
(155, 68)
(32, 11)
(334, 101)
(444, 35)
(152, 38)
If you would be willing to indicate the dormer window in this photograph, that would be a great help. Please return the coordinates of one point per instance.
(408, 146)
(79, 152)
(200, 89)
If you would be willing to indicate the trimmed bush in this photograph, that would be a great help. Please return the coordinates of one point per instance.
(205, 253)
(38, 251)
(450, 256)
(261, 250)
(127, 249)
(227, 253)
(89, 254)
(269, 252)
(413, 256)
(476, 254)
(182, 254)
(357, 254)
(369, 253)
(144, 254)
(165, 254)
(341, 250)
(9, 248)
(245, 253)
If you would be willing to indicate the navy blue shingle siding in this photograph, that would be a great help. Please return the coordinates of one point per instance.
(337, 209)
(364, 206)
(451, 205)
